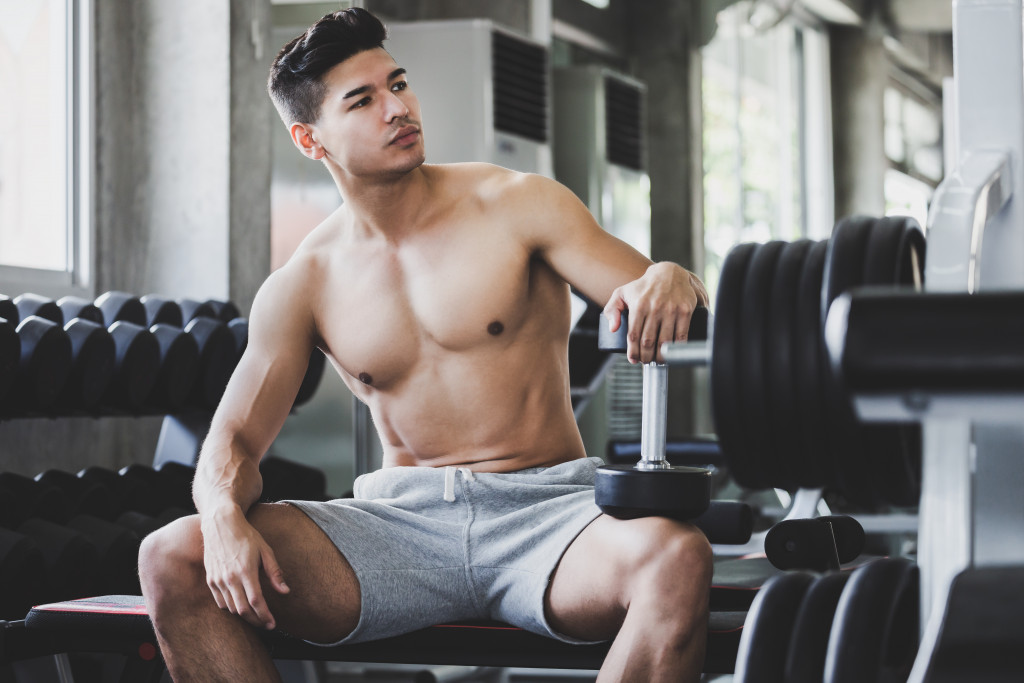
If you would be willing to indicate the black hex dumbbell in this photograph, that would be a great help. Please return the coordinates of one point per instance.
(653, 486)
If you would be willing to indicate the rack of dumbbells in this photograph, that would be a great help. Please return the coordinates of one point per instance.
(68, 535)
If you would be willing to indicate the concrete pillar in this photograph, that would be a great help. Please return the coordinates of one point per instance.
(859, 76)
(664, 55)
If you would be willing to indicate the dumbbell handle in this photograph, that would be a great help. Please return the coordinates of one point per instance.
(686, 353)
(653, 418)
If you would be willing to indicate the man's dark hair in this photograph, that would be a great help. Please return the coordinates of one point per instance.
(296, 76)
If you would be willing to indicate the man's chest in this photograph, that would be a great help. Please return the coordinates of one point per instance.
(392, 308)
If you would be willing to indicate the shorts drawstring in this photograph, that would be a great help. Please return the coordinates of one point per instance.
(449, 481)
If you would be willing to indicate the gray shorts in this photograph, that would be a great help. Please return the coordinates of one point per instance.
(437, 545)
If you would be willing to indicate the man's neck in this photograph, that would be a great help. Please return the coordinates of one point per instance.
(388, 207)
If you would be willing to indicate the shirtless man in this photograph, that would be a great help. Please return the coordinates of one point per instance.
(440, 295)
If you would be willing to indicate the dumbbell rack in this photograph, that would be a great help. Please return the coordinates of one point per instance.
(972, 511)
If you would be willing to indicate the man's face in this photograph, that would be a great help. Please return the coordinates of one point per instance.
(369, 121)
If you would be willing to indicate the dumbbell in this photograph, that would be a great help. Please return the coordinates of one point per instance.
(653, 486)
(22, 573)
(41, 513)
(10, 356)
(288, 480)
(39, 499)
(76, 307)
(179, 368)
(43, 367)
(818, 543)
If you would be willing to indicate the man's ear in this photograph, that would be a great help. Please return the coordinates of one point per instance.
(304, 139)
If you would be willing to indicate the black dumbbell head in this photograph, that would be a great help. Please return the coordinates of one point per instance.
(192, 309)
(240, 330)
(77, 307)
(121, 306)
(10, 357)
(45, 363)
(226, 311)
(162, 311)
(217, 360)
(137, 365)
(92, 370)
(179, 367)
(8, 311)
(35, 304)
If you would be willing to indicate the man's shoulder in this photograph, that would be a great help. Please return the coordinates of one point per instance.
(490, 183)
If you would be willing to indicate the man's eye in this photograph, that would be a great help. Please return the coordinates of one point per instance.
(401, 85)
(361, 103)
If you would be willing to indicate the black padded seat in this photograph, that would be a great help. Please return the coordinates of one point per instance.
(120, 624)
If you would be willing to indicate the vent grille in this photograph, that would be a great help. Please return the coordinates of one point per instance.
(623, 119)
(520, 87)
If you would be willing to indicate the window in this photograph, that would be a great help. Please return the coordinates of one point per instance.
(766, 135)
(913, 147)
(44, 245)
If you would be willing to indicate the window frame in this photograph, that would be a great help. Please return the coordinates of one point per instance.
(78, 278)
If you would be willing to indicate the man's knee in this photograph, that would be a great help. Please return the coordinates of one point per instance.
(171, 559)
(672, 554)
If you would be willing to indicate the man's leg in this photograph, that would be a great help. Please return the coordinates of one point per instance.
(201, 642)
(645, 583)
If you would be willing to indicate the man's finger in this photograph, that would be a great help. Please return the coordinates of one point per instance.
(649, 339)
(254, 597)
(273, 571)
(613, 311)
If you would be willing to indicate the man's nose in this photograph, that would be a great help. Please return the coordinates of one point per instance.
(394, 107)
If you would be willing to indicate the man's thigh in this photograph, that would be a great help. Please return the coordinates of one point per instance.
(323, 603)
(595, 580)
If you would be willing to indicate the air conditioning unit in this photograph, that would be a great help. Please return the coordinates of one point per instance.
(483, 91)
(600, 148)
(600, 154)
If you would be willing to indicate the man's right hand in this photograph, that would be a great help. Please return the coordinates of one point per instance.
(234, 553)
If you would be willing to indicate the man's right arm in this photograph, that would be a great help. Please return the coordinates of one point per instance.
(256, 402)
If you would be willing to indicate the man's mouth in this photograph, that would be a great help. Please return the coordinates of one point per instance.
(406, 135)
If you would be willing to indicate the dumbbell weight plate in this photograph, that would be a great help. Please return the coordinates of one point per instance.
(895, 257)
(725, 376)
(625, 492)
(875, 629)
(805, 660)
(857, 465)
(780, 355)
(813, 462)
(758, 454)
(768, 628)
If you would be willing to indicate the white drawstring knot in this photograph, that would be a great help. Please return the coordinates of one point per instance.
(449, 481)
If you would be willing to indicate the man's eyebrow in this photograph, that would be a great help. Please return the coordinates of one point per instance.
(363, 88)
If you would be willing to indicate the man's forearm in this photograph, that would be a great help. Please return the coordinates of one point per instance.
(226, 478)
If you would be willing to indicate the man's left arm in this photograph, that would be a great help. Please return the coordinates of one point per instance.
(660, 297)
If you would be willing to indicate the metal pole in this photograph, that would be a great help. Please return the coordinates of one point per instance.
(655, 417)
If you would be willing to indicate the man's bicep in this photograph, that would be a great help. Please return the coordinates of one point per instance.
(264, 385)
(570, 240)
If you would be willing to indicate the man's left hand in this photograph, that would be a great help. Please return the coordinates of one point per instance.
(660, 304)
